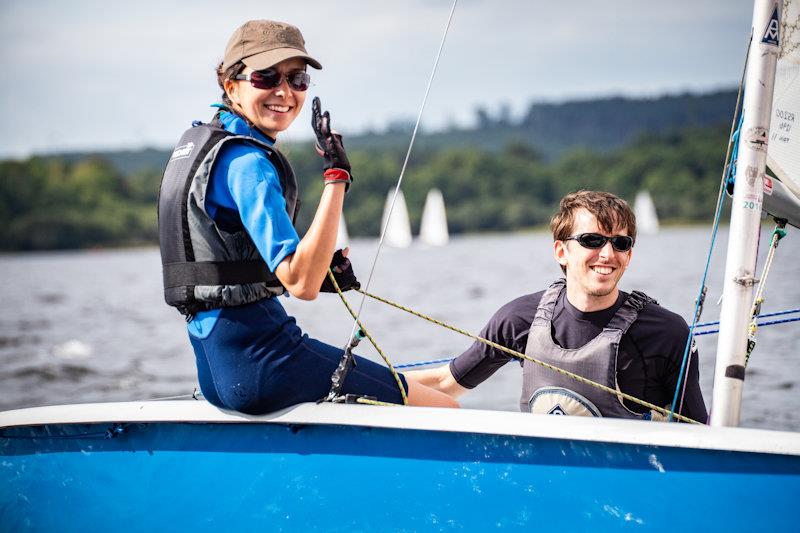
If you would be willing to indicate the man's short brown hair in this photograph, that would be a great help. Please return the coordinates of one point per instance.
(610, 211)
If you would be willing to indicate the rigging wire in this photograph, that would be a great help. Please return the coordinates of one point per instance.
(777, 235)
(698, 309)
(403, 169)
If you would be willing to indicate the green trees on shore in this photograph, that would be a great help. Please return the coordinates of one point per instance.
(62, 203)
(49, 203)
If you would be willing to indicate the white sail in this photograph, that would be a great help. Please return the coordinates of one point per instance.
(342, 237)
(646, 217)
(397, 229)
(783, 156)
(433, 228)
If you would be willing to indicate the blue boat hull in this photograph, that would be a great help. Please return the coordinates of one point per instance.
(223, 476)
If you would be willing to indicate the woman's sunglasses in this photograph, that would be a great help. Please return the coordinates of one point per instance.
(270, 78)
(621, 243)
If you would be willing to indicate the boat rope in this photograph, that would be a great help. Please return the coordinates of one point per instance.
(362, 331)
(728, 168)
(347, 357)
(195, 395)
(526, 357)
(697, 334)
(425, 363)
(777, 235)
(760, 324)
(763, 315)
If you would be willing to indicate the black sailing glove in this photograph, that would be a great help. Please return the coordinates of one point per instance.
(343, 272)
(330, 147)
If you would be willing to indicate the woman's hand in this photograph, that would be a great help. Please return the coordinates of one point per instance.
(330, 146)
(343, 273)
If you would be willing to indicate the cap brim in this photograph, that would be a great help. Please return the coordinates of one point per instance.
(273, 57)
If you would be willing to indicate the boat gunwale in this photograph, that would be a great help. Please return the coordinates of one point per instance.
(512, 424)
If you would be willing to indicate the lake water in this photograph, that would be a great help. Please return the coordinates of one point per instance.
(91, 326)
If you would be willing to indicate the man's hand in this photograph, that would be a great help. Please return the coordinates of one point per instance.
(343, 272)
(329, 145)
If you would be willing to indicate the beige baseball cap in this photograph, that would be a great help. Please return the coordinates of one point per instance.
(259, 44)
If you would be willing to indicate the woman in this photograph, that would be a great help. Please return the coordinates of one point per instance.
(226, 210)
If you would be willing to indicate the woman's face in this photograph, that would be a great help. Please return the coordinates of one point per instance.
(271, 110)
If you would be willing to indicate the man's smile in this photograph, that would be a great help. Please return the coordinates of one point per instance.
(602, 269)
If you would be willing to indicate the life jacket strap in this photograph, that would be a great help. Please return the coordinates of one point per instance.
(216, 273)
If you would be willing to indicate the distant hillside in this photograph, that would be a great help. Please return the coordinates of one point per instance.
(599, 125)
(126, 162)
(500, 176)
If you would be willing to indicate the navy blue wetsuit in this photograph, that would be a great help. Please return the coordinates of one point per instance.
(254, 358)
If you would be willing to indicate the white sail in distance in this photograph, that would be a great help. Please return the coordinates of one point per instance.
(433, 227)
(645, 211)
(783, 155)
(397, 228)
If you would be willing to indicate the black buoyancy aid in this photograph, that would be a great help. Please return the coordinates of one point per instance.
(204, 266)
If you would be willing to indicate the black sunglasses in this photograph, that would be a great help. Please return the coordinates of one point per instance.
(621, 243)
(299, 80)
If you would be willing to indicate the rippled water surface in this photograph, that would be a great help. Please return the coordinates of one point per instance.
(92, 326)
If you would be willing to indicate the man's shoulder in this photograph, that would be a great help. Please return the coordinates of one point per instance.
(514, 317)
(659, 321)
(521, 306)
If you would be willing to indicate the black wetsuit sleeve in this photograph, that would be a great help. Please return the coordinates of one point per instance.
(661, 335)
(508, 327)
(693, 404)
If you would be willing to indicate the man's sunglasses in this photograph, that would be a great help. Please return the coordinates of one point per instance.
(621, 243)
(270, 78)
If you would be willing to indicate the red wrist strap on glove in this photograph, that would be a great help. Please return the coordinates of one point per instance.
(336, 175)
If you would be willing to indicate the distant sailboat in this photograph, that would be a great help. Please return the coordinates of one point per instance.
(398, 232)
(342, 237)
(646, 217)
(433, 228)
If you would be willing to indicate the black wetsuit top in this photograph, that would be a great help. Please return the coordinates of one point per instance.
(650, 353)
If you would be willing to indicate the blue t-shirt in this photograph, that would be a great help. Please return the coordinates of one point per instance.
(245, 184)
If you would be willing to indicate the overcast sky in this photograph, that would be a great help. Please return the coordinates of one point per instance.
(88, 74)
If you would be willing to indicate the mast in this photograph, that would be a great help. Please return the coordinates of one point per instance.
(740, 266)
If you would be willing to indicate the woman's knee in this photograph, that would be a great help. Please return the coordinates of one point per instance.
(238, 397)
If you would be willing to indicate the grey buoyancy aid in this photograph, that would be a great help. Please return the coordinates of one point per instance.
(547, 392)
(206, 266)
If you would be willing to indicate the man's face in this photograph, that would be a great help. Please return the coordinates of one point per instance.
(592, 274)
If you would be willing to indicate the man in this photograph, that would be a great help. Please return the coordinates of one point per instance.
(586, 325)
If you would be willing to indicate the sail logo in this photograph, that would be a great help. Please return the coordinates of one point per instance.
(557, 410)
(184, 150)
(771, 35)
